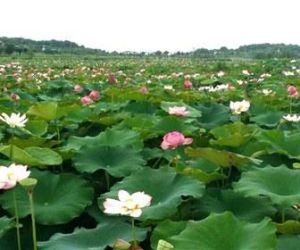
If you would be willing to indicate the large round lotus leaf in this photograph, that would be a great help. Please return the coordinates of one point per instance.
(246, 208)
(33, 156)
(234, 135)
(269, 119)
(281, 184)
(172, 123)
(221, 158)
(57, 198)
(5, 225)
(288, 227)
(117, 161)
(37, 127)
(264, 115)
(45, 110)
(225, 231)
(99, 238)
(164, 185)
(288, 242)
(213, 115)
(282, 143)
(165, 230)
(110, 137)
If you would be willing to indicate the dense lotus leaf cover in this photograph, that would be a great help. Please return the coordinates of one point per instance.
(205, 153)
(280, 184)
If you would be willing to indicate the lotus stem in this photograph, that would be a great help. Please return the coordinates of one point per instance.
(30, 196)
(133, 233)
(107, 179)
(17, 220)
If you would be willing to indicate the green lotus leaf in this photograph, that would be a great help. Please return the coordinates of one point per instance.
(280, 184)
(110, 137)
(79, 115)
(57, 198)
(19, 155)
(221, 158)
(224, 231)
(289, 227)
(5, 225)
(202, 170)
(37, 127)
(233, 135)
(218, 201)
(101, 107)
(140, 107)
(44, 110)
(51, 110)
(166, 229)
(282, 143)
(33, 156)
(172, 123)
(99, 238)
(117, 161)
(45, 156)
(264, 115)
(164, 186)
(213, 115)
(288, 242)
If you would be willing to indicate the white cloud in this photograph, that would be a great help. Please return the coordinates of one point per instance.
(151, 25)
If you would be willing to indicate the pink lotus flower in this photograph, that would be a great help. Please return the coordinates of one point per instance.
(94, 95)
(127, 204)
(9, 176)
(15, 97)
(78, 88)
(112, 79)
(292, 91)
(178, 111)
(86, 100)
(187, 84)
(143, 90)
(174, 139)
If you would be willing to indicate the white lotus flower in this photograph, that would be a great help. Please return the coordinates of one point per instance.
(9, 176)
(220, 73)
(14, 120)
(292, 118)
(246, 72)
(288, 73)
(239, 107)
(266, 92)
(178, 111)
(127, 204)
(168, 87)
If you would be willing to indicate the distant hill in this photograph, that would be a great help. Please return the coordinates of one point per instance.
(22, 45)
(256, 51)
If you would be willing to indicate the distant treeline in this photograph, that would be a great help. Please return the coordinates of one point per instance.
(10, 46)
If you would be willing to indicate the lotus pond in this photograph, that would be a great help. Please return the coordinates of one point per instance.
(162, 154)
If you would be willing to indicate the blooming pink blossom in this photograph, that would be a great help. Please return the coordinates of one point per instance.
(174, 139)
(94, 95)
(143, 90)
(112, 79)
(292, 91)
(127, 204)
(78, 88)
(187, 84)
(178, 111)
(15, 97)
(86, 100)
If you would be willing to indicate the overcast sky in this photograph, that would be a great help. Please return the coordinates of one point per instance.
(149, 25)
